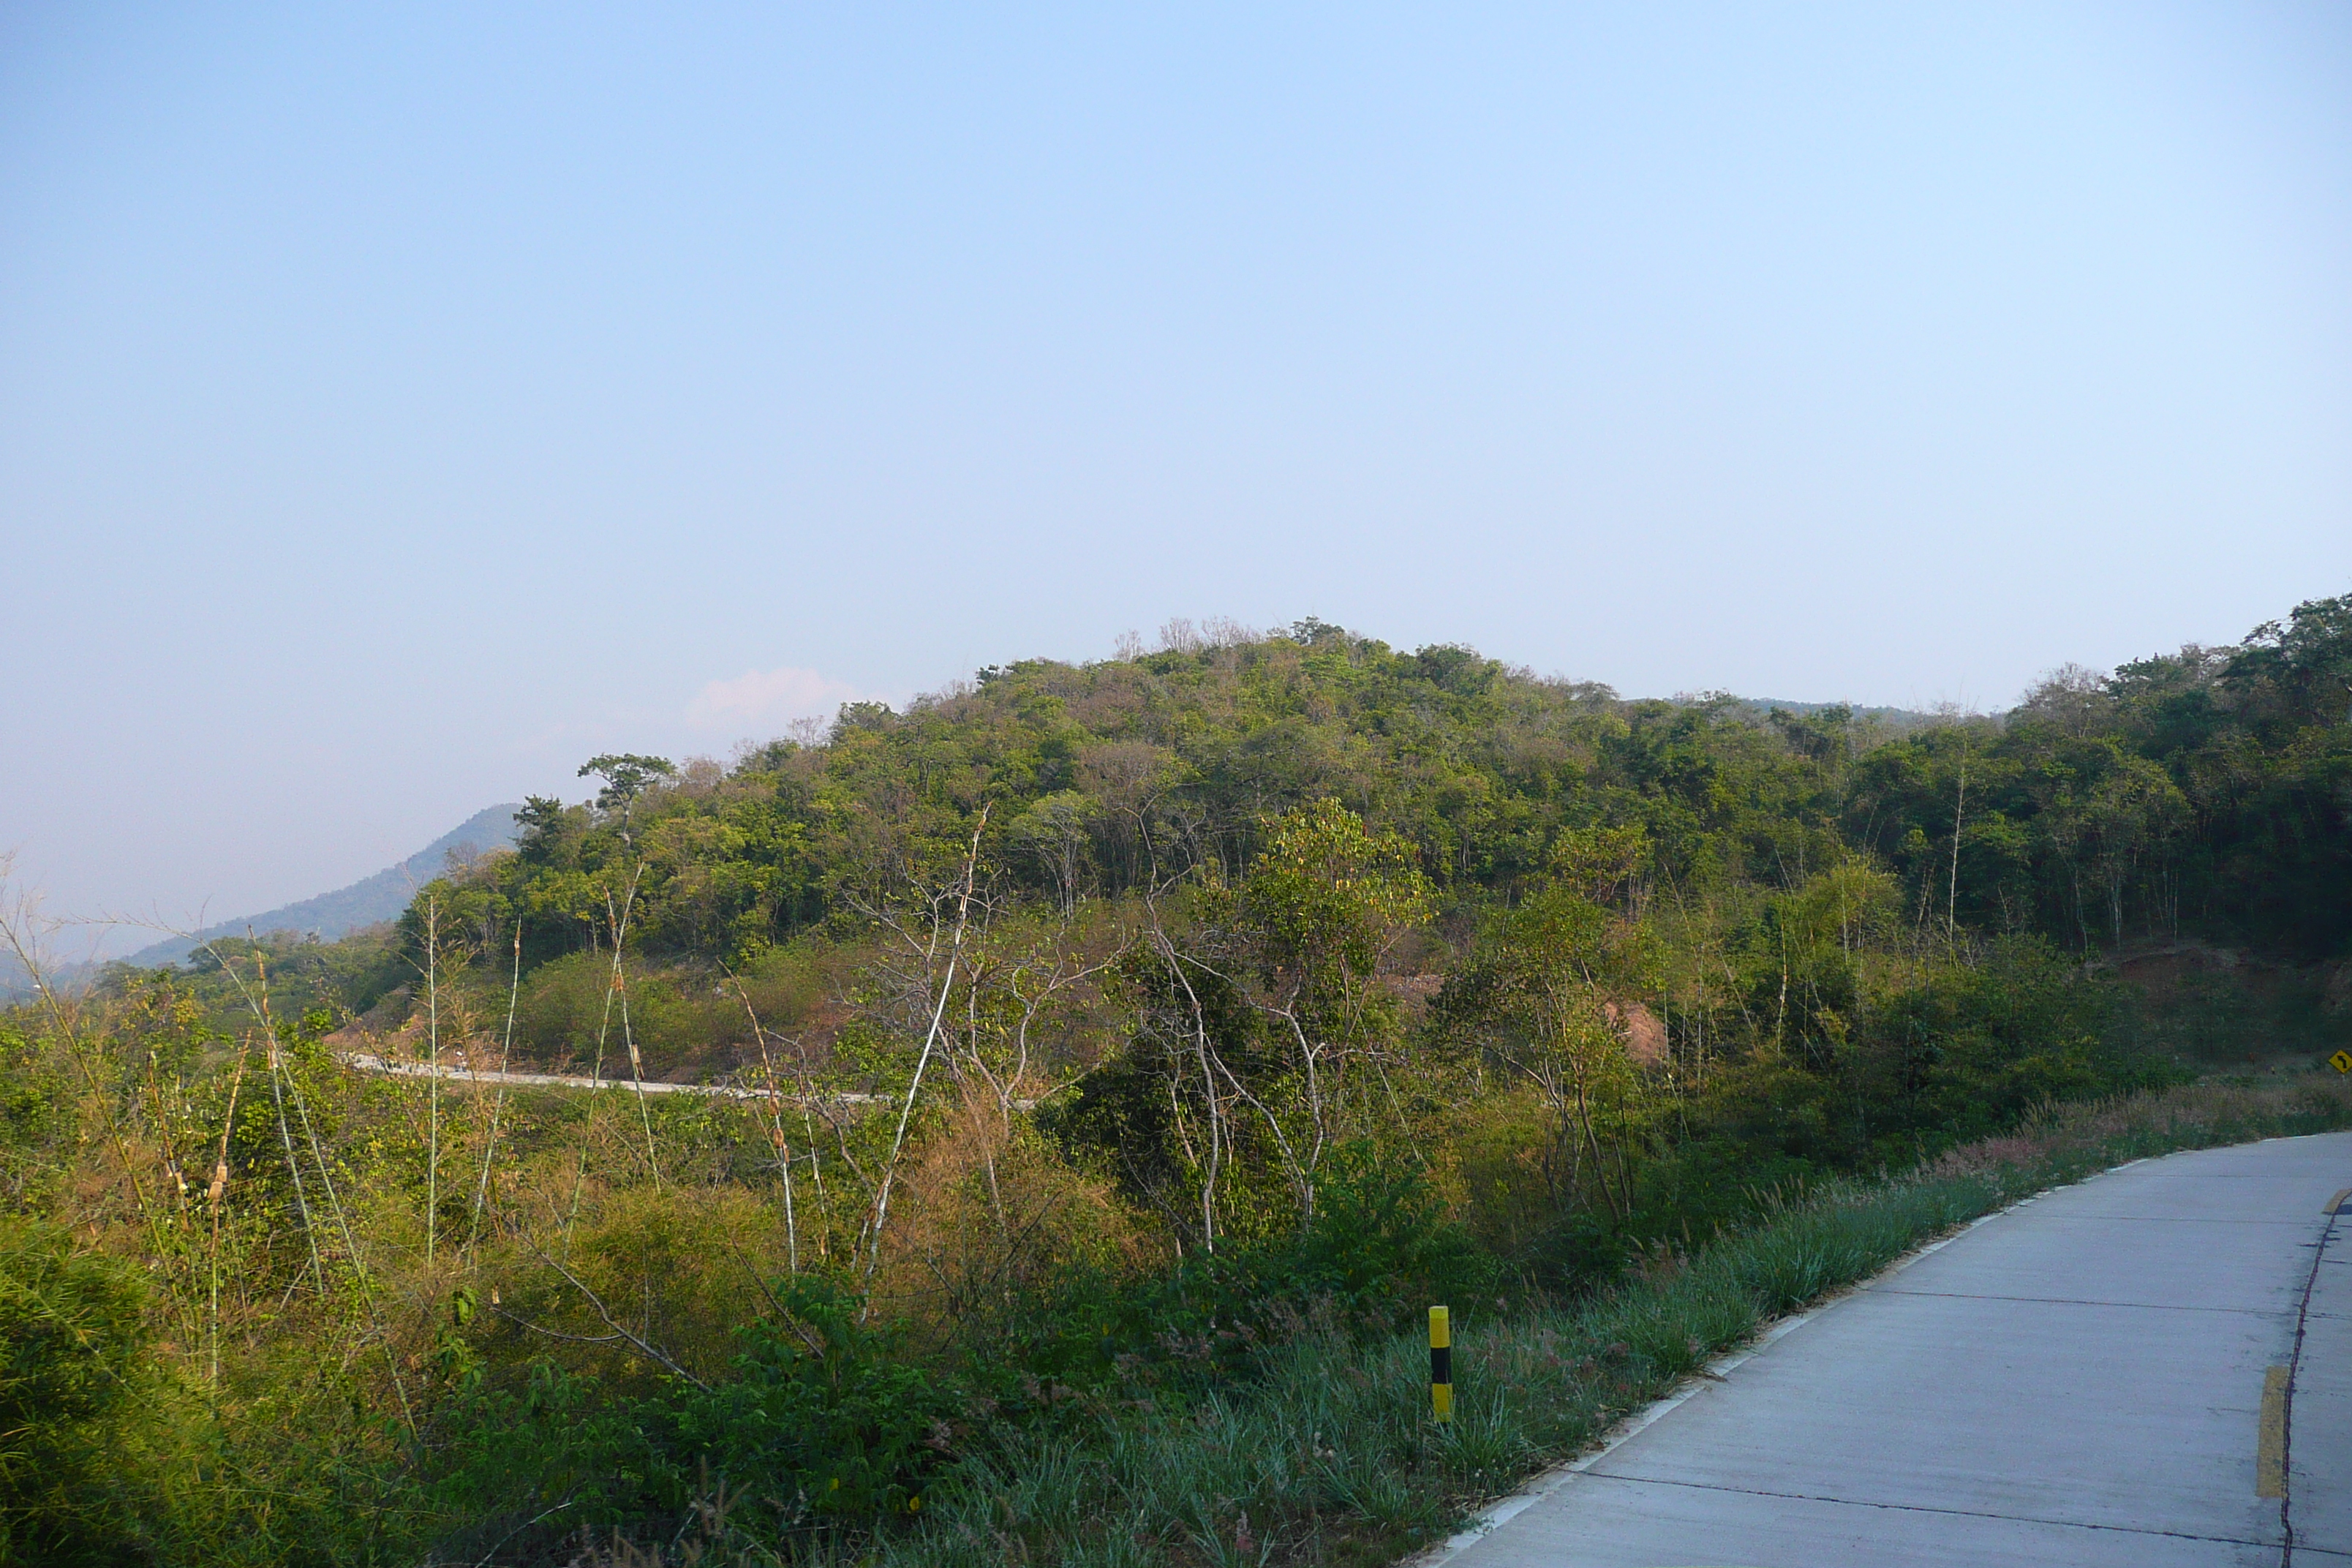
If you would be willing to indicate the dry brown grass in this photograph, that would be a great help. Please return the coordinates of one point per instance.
(2182, 1117)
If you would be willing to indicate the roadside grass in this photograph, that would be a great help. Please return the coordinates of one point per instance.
(1330, 1457)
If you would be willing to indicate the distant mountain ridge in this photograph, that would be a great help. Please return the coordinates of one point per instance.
(366, 902)
(1897, 718)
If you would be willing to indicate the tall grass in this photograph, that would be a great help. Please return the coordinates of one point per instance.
(1330, 1457)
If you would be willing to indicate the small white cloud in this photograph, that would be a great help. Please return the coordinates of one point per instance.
(767, 700)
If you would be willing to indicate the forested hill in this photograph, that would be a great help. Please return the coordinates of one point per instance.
(2201, 793)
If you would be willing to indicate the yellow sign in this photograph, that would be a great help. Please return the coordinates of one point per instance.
(2341, 1062)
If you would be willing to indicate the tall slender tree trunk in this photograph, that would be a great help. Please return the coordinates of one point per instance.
(433, 1082)
(1960, 810)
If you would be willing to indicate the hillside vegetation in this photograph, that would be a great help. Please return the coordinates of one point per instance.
(1110, 1043)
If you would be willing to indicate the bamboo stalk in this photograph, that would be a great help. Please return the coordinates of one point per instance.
(215, 1194)
(433, 1062)
(499, 1104)
(915, 1086)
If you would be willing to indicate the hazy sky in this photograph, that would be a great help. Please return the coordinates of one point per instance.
(400, 403)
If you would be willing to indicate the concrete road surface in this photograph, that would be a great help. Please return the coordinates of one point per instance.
(2152, 1368)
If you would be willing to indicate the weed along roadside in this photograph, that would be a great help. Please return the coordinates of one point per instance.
(1336, 1452)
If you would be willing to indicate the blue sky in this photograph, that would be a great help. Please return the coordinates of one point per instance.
(398, 404)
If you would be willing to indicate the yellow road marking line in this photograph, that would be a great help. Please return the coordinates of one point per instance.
(2337, 1202)
(2270, 1449)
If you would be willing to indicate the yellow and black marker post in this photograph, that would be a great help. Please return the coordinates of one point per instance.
(1440, 1365)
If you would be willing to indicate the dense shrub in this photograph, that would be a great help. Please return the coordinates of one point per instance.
(72, 1371)
(821, 1421)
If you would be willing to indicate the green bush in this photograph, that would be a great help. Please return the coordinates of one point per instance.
(821, 1415)
(823, 1422)
(1380, 1248)
(72, 1367)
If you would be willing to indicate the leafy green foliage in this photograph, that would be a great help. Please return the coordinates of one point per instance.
(821, 1421)
(72, 1340)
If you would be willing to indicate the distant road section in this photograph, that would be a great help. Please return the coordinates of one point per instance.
(2153, 1368)
(366, 1062)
